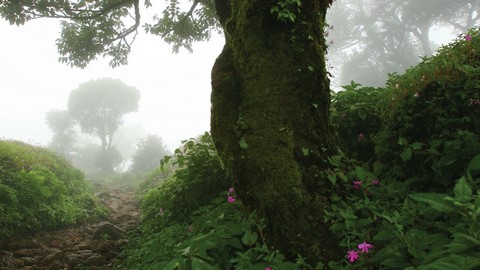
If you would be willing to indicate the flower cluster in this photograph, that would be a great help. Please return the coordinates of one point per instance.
(352, 255)
(357, 184)
(231, 195)
(474, 101)
(468, 38)
(361, 137)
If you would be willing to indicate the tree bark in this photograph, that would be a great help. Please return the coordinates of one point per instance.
(270, 122)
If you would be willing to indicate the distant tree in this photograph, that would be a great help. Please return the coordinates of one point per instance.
(372, 38)
(98, 106)
(64, 135)
(150, 150)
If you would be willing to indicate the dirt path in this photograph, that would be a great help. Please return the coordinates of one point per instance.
(90, 246)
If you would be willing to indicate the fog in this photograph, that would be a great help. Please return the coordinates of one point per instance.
(369, 39)
(175, 88)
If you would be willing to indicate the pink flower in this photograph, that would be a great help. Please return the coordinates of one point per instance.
(361, 137)
(352, 255)
(231, 190)
(468, 38)
(231, 199)
(364, 246)
(375, 182)
(268, 268)
(357, 184)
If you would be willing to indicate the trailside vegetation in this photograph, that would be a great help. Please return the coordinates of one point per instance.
(40, 190)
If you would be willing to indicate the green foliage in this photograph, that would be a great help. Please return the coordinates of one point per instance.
(187, 222)
(358, 110)
(409, 228)
(199, 176)
(181, 28)
(424, 212)
(286, 10)
(431, 120)
(40, 190)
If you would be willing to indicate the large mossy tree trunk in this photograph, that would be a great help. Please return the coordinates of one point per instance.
(270, 102)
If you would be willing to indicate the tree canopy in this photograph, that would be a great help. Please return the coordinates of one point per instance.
(99, 105)
(109, 27)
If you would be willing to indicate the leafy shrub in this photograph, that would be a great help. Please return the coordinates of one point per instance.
(39, 190)
(424, 211)
(434, 121)
(356, 114)
(410, 230)
(188, 223)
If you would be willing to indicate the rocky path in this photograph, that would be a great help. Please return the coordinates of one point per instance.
(89, 246)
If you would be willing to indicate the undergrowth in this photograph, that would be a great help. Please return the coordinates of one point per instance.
(41, 190)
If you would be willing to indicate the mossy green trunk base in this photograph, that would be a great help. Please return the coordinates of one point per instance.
(270, 122)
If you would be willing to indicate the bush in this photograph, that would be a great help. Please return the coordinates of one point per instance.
(40, 190)
(434, 121)
(356, 114)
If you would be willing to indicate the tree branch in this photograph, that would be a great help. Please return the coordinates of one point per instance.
(97, 14)
(183, 19)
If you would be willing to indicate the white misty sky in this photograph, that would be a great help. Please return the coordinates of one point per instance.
(175, 88)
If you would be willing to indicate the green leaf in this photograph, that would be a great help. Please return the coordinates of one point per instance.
(362, 114)
(310, 68)
(435, 200)
(249, 238)
(243, 143)
(406, 154)
(178, 263)
(474, 164)
(402, 141)
(332, 178)
(289, 266)
(199, 264)
(305, 151)
(462, 190)
(315, 105)
(448, 159)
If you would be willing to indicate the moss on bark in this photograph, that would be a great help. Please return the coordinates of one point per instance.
(270, 124)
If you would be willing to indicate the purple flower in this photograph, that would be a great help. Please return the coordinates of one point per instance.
(268, 268)
(357, 184)
(230, 199)
(364, 246)
(352, 255)
(361, 137)
(231, 190)
(468, 38)
(375, 182)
